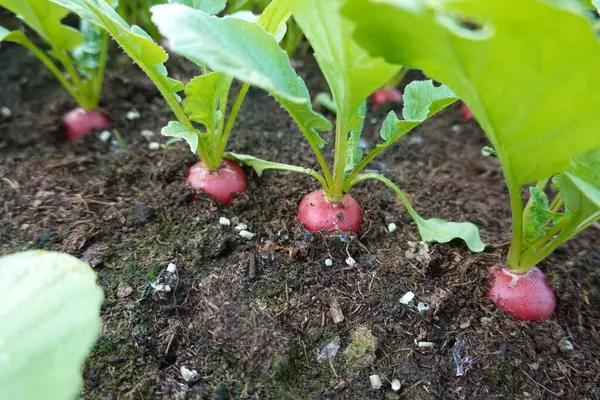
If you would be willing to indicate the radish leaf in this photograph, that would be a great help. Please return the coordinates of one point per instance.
(351, 73)
(353, 153)
(203, 96)
(512, 98)
(176, 129)
(49, 305)
(45, 18)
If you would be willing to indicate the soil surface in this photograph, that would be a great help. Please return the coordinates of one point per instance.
(251, 317)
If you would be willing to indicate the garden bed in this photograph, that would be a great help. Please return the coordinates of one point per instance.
(251, 315)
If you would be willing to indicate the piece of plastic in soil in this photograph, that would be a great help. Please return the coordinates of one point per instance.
(329, 350)
(462, 363)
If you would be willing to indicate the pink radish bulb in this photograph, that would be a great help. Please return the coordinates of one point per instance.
(526, 296)
(465, 112)
(223, 184)
(80, 121)
(317, 213)
(384, 95)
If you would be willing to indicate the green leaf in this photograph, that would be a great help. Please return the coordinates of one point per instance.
(422, 100)
(324, 99)
(87, 54)
(509, 70)
(178, 130)
(580, 184)
(204, 94)
(275, 16)
(133, 40)
(211, 7)
(353, 153)
(438, 230)
(49, 307)
(537, 217)
(240, 49)
(351, 74)
(45, 18)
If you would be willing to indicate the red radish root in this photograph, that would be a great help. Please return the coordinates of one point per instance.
(465, 112)
(384, 95)
(526, 296)
(223, 184)
(80, 121)
(317, 213)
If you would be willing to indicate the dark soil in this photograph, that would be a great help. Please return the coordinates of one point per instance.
(250, 316)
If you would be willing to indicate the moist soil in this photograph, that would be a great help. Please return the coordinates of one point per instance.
(251, 317)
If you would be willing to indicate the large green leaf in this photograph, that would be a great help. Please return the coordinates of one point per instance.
(45, 18)
(133, 40)
(49, 308)
(240, 49)
(351, 74)
(528, 71)
(87, 54)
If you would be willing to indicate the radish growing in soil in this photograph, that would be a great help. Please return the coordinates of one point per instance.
(249, 53)
(206, 95)
(81, 53)
(389, 93)
(534, 139)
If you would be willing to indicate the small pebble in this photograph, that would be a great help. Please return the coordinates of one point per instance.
(392, 227)
(241, 227)
(465, 324)
(171, 268)
(154, 145)
(247, 234)
(396, 385)
(455, 128)
(188, 375)
(425, 345)
(224, 221)
(486, 321)
(422, 307)
(133, 114)
(565, 345)
(376, 382)
(5, 112)
(407, 298)
(350, 261)
(124, 290)
(160, 287)
(329, 262)
(147, 134)
(104, 136)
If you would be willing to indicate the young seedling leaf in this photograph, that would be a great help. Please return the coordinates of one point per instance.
(324, 99)
(45, 18)
(204, 94)
(176, 129)
(211, 7)
(438, 230)
(537, 217)
(351, 73)
(240, 49)
(353, 153)
(422, 100)
(512, 98)
(133, 40)
(50, 310)
(87, 54)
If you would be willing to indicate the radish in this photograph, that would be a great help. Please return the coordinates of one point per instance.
(317, 213)
(223, 184)
(525, 296)
(80, 121)
(465, 112)
(385, 95)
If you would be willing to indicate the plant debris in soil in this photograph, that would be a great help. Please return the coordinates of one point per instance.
(247, 317)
